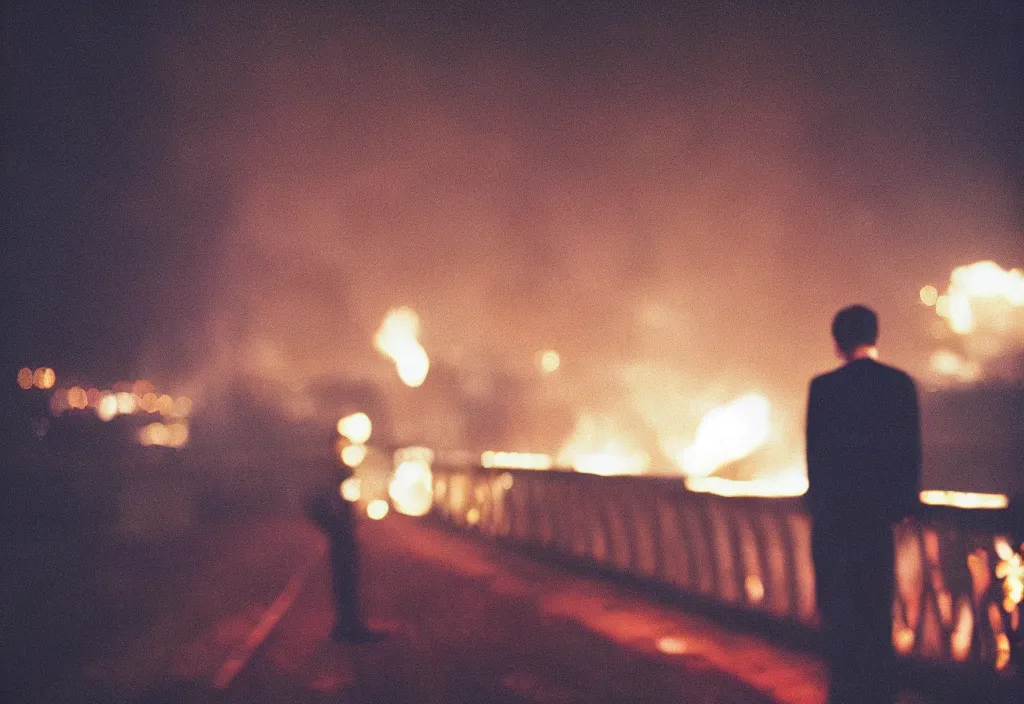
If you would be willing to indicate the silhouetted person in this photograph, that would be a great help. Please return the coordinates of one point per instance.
(864, 466)
(335, 517)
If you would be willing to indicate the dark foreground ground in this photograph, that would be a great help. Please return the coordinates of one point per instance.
(239, 611)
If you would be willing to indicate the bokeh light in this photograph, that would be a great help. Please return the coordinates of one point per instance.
(163, 435)
(44, 378)
(165, 405)
(148, 402)
(125, 403)
(25, 378)
(77, 398)
(106, 409)
(351, 489)
(548, 361)
(377, 509)
(929, 295)
(672, 645)
(356, 427)
(754, 588)
(411, 488)
(154, 434)
(353, 455)
(179, 434)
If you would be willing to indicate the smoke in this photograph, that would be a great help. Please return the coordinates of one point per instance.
(676, 205)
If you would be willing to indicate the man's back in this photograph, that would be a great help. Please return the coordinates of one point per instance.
(863, 444)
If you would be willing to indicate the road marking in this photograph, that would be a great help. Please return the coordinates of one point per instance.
(238, 660)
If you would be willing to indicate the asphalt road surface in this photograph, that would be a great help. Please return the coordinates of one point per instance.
(240, 611)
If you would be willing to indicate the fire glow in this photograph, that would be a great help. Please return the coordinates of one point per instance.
(726, 434)
(398, 340)
(968, 286)
(515, 460)
(596, 447)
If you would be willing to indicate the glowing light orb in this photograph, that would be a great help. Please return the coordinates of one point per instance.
(351, 489)
(754, 588)
(548, 361)
(25, 378)
(179, 435)
(77, 398)
(903, 639)
(44, 378)
(106, 409)
(353, 455)
(154, 434)
(165, 405)
(356, 428)
(929, 295)
(672, 645)
(125, 403)
(148, 402)
(412, 488)
(377, 509)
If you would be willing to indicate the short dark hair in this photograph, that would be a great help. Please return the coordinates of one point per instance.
(854, 326)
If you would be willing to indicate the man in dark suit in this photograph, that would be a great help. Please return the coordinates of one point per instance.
(863, 467)
(336, 518)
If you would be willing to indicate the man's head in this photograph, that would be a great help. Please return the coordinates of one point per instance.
(853, 328)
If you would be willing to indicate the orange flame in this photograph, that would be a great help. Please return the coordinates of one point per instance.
(397, 340)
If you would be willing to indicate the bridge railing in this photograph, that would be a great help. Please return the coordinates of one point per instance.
(955, 569)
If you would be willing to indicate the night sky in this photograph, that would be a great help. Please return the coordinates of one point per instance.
(675, 199)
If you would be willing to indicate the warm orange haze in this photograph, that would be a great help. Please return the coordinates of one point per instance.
(738, 448)
(438, 352)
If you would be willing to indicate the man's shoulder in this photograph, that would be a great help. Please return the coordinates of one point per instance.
(896, 374)
(827, 378)
(862, 367)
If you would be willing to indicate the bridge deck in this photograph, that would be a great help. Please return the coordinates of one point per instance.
(242, 615)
